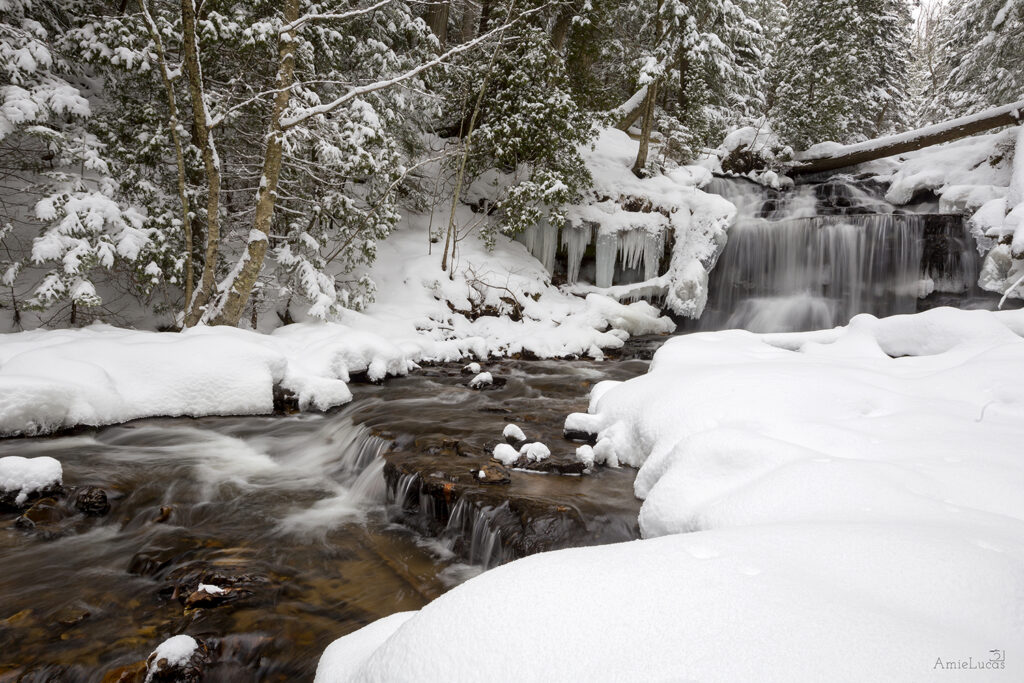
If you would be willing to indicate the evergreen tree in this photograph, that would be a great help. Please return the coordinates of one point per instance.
(980, 59)
(842, 70)
(51, 154)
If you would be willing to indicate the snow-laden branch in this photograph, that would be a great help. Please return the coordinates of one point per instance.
(339, 16)
(328, 107)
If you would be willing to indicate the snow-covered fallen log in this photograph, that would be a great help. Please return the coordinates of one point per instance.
(831, 156)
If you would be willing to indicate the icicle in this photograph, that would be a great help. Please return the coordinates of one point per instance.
(607, 246)
(528, 238)
(631, 248)
(575, 241)
(654, 248)
(548, 245)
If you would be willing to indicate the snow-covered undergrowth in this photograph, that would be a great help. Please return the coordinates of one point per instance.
(630, 220)
(981, 177)
(102, 375)
(853, 504)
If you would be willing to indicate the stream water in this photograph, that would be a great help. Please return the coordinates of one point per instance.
(291, 513)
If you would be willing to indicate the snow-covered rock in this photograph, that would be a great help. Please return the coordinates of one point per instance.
(179, 658)
(21, 477)
(484, 379)
(535, 452)
(505, 454)
(513, 433)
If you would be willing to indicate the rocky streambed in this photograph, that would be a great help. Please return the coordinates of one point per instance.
(267, 537)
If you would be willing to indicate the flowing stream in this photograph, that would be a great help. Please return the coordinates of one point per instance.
(290, 512)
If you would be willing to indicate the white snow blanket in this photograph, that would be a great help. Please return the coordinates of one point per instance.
(853, 505)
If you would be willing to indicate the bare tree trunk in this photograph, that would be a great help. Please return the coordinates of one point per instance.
(437, 19)
(211, 163)
(179, 157)
(449, 240)
(560, 31)
(470, 20)
(485, 16)
(239, 286)
(645, 131)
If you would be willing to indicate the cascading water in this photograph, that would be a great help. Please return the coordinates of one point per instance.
(816, 256)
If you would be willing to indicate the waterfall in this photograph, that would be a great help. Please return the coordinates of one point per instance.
(816, 256)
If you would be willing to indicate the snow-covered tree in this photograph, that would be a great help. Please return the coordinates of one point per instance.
(51, 154)
(979, 60)
(528, 126)
(701, 61)
(842, 70)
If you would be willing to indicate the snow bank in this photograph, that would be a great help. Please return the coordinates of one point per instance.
(489, 303)
(854, 509)
(980, 164)
(25, 476)
(102, 375)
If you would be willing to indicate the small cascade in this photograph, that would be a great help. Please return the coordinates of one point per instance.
(815, 256)
(472, 526)
(404, 489)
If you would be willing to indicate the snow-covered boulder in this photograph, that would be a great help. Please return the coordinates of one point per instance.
(22, 479)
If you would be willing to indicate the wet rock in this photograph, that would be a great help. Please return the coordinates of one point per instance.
(453, 447)
(9, 499)
(72, 616)
(92, 500)
(165, 514)
(493, 473)
(285, 401)
(131, 673)
(44, 512)
(552, 466)
(208, 595)
(186, 584)
(580, 436)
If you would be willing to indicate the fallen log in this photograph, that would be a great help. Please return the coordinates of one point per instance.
(835, 158)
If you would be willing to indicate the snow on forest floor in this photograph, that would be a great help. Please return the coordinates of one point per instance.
(51, 379)
(840, 505)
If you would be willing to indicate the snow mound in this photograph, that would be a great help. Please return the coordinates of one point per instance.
(837, 487)
(484, 379)
(513, 432)
(173, 653)
(535, 452)
(25, 476)
(505, 454)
